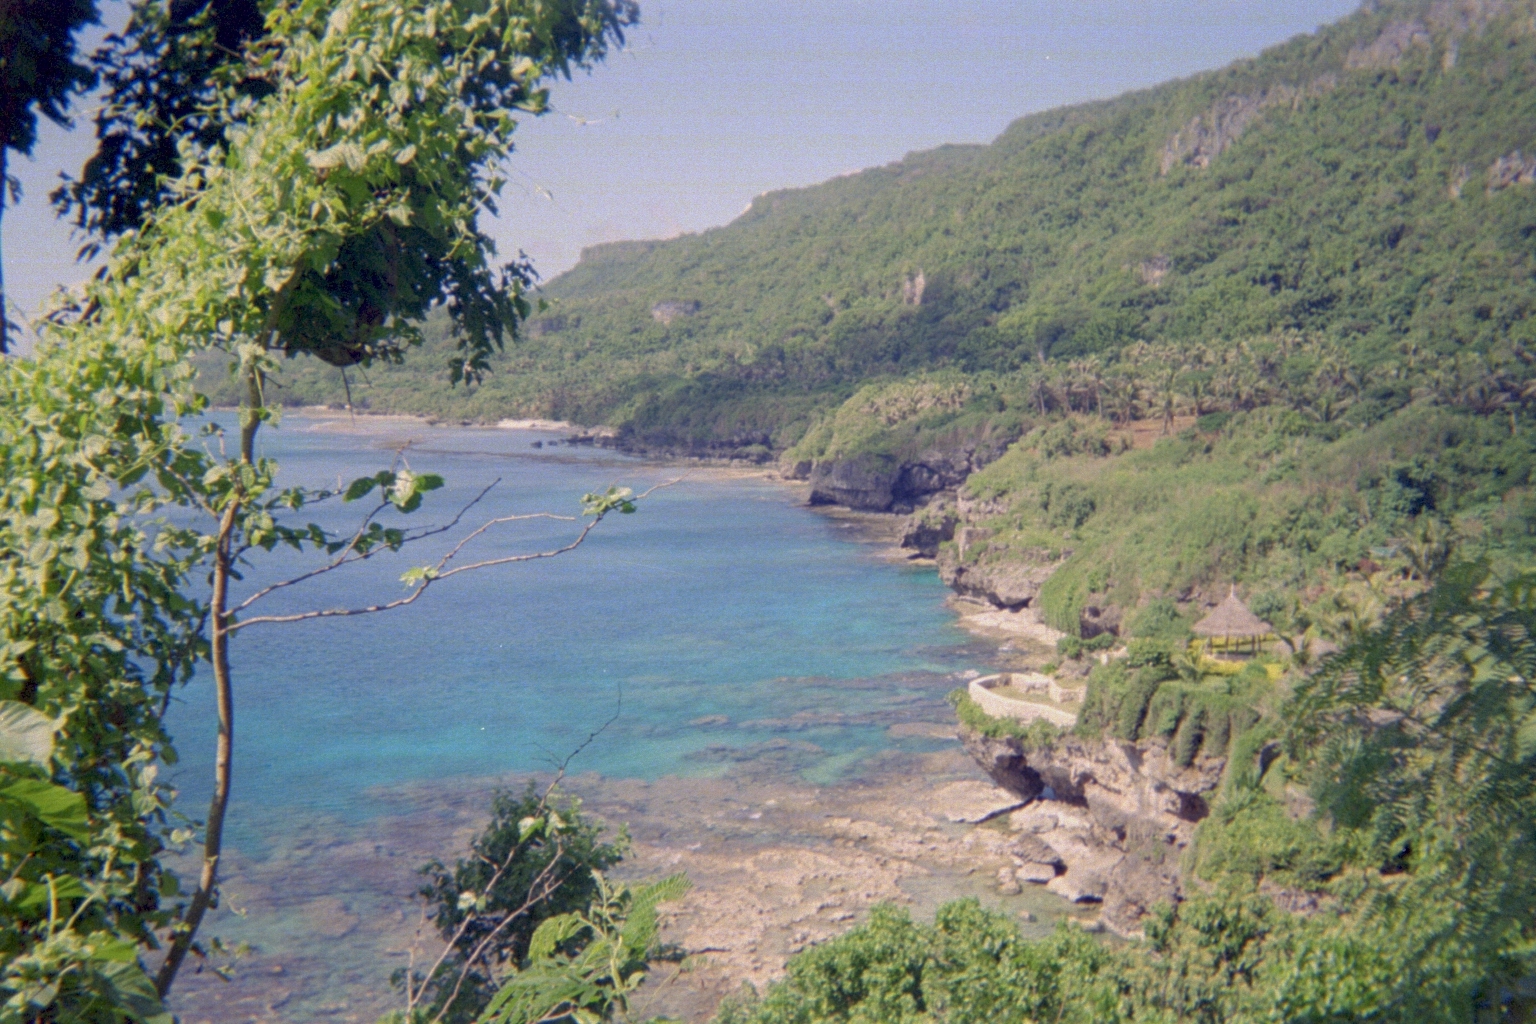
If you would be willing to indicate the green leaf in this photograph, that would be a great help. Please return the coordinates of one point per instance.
(131, 990)
(56, 806)
(37, 895)
(364, 484)
(26, 734)
(551, 933)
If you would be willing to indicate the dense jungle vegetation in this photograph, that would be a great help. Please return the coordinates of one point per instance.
(1365, 185)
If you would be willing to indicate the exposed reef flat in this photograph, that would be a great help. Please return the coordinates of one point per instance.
(777, 863)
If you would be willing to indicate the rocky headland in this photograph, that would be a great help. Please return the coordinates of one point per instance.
(1113, 823)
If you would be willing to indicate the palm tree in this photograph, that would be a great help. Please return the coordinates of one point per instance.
(1168, 398)
(1041, 392)
(1087, 380)
(1124, 391)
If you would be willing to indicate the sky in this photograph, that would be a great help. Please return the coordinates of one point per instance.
(712, 102)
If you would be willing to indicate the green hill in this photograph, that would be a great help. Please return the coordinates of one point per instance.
(1367, 184)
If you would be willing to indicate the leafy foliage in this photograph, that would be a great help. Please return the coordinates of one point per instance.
(39, 74)
(96, 628)
(1415, 741)
(161, 78)
(1038, 734)
(383, 126)
(1273, 499)
(614, 939)
(547, 862)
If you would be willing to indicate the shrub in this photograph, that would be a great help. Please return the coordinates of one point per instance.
(1144, 651)
(1036, 735)
(1159, 619)
(1070, 647)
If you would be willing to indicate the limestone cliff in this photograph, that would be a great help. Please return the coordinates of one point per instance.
(875, 482)
(1109, 820)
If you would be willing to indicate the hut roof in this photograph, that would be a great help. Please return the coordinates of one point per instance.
(1232, 618)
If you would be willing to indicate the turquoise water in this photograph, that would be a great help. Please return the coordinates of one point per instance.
(720, 617)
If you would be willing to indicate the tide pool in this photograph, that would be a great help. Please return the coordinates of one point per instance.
(720, 619)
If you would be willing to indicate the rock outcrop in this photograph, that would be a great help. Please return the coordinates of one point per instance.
(1114, 820)
(1011, 584)
(887, 483)
(1389, 48)
(930, 527)
(1209, 134)
(865, 482)
(1512, 169)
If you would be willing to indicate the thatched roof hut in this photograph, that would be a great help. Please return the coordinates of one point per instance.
(1231, 620)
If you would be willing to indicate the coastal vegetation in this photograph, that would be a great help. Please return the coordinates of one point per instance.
(1364, 185)
(1413, 754)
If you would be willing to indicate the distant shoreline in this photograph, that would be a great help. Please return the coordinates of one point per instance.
(878, 529)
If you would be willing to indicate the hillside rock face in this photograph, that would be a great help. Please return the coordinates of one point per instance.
(1012, 584)
(1118, 818)
(931, 526)
(885, 483)
(865, 482)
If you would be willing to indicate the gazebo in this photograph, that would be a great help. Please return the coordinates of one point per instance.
(1234, 625)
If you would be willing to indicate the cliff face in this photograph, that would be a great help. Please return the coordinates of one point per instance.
(1004, 584)
(888, 483)
(1109, 819)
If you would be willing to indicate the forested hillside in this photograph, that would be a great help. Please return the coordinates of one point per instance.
(1373, 184)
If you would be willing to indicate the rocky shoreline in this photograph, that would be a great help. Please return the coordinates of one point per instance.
(778, 864)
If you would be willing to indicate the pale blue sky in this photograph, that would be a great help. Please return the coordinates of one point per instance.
(718, 100)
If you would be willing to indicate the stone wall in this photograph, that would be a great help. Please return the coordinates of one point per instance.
(980, 691)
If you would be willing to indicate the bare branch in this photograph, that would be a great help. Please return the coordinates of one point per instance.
(326, 613)
(355, 556)
(439, 573)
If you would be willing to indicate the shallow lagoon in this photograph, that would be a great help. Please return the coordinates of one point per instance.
(722, 596)
(724, 634)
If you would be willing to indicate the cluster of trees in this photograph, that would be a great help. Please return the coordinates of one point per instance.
(1322, 379)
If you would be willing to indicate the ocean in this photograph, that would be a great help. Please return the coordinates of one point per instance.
(721, 601)
(724, 628)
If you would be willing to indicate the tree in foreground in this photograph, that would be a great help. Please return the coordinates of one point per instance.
(39, 74)
(340, 205)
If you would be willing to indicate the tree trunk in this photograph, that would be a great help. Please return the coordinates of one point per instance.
(223, 570)
(213, 835)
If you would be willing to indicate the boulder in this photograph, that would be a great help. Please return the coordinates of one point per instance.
(973, 802)
(1027, 849)
(1079, 887)
(1034, 872)
(1004, 762)
(929, 527)
(1138, 883)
